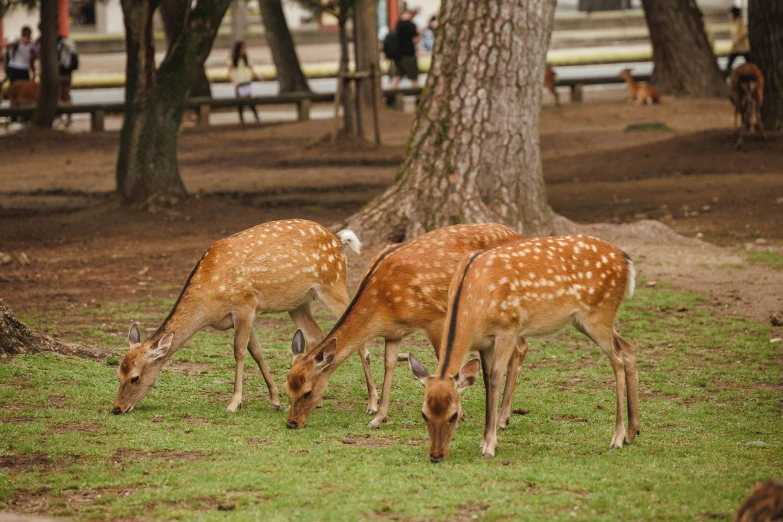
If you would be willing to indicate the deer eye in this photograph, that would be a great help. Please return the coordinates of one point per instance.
(307, 394)
(454, 417)
(134, 379)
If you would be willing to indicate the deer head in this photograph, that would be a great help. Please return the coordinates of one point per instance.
(442, 408)
(139, 369)
(307, 380)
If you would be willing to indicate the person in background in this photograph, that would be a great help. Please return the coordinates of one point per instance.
(740, 44)
(67, 62)
(241, 76)
(408, 36)
(20, 57)
(428, 35)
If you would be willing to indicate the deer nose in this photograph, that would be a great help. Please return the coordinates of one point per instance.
(291, 424)
(435, 459)
(116, 410)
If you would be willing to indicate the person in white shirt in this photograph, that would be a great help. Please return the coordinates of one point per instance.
(241, 76)
(20, 57)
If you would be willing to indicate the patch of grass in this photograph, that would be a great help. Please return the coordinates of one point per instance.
(771, 259)
(708, 386)
(650, 126)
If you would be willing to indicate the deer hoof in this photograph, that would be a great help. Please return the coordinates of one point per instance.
(274, 407)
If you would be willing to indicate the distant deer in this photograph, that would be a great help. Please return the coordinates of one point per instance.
(280, 266)
(550, 81)
(641, 93)
(747, 96)
(524, 288)
(23, 92)
(404, 290)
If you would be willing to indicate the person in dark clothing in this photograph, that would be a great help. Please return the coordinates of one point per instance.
(408, 35)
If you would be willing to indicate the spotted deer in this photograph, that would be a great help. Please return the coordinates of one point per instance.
(641, 93)
(747, 96)
(528, 287)
(550, 82)
(404, 290)
(280, 266)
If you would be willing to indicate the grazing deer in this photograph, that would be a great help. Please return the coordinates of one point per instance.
(550, 81)
(747, 96)
(280, 266)
(527, 288)
(641, 93)
(23, 92)
(404, 290)
(763, 503)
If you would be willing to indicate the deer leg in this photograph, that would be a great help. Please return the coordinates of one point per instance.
(512, 376)
(336, 300)
(503, 349)
(254, 347)
(392, 350)
(486, 365)
(628, 352)
(242, 328)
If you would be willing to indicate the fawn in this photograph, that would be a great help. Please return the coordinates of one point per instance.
(280, 266)
(550, 81)
(641, 93)
(747, 96)
(527, 288)
(404, 290)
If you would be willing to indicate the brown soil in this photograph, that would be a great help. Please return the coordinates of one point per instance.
(72, 427)
(368, 441)
(131, 455)
(86, 248)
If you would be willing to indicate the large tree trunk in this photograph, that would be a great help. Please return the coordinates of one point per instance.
(278, 37)
(172, 13)
(765, 28)
(156, 100)
(46, 108)
(366, 45)
(17, 339)
(474, 156)
(683, 60)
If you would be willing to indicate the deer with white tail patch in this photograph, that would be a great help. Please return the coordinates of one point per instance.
(529, 287)
(280, 266)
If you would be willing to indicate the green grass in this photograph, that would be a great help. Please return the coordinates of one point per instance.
(650, 126)
(771, 259)
(709, 386)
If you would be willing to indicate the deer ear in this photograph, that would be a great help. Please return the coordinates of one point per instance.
(325, 356)
(298, 344)
(418, 370)
(133, 335)
(163, 348)
(468, 375)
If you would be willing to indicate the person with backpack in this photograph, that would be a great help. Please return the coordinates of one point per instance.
(404, 53)
(67, 61)
(20, 57)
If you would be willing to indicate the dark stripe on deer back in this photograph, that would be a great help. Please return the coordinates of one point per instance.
(362, 286)
(453, 318)
(162, 328)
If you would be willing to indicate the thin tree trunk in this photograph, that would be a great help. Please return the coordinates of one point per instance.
(474, 156)
(155, 100)
(683, 60)
(278, 37)
(46, 108)
(349, 125)
(172, 13)
(366, 45)
(765, 29)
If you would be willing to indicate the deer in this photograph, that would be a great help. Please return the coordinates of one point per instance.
(550, 81)
(764, 502)
(526, 288)
(747, 97)
(641, 93)
(279, 266)
(403, 290)
(23, 92)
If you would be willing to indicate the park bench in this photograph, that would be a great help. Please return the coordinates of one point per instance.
(303, 101)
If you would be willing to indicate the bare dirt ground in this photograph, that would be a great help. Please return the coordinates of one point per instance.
(85, 247)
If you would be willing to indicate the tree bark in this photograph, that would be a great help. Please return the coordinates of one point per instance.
(348, 113)
(17, 339)
(155, 100)
(172, 13)
(683, 60)
(473, 155)
(765, 29)
(289, 72)
(46, 108)
(366, 44)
